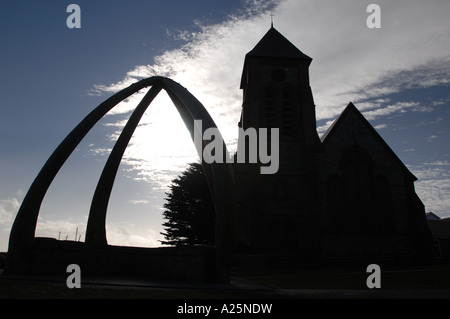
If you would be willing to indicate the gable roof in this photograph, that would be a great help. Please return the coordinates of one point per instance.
(351, 109)
(274, 45)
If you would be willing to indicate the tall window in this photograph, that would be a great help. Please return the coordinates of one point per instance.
(271, 115)
(279, 109)
(287, 111)
(357, 169)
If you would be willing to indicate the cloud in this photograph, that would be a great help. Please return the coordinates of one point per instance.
(428, 122)
(433, 186)
(350, 63)
(354, 63)
(8, 211)
(438, 163)
(119, 233)
(45, 227)
(128, 234)
(60, 228)
(434, 72)
(399, 107)
(380, 126)
(139, 201)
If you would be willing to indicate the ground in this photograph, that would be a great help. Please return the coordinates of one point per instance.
(412, 282)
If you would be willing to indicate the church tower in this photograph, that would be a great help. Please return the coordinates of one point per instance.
(278, 213)
(346, 197)
(275, 84)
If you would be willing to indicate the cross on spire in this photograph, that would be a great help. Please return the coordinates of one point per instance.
(271, 19)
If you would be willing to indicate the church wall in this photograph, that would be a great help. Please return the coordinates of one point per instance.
(380, 221)
(347, 198)
(278, 211)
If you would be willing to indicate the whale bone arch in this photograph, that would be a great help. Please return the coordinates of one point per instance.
(220, 176)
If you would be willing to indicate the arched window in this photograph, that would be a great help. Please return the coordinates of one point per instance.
(271, 116)
(287, 98)
(279, 109)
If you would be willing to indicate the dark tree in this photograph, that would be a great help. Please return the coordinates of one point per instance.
(189, 210)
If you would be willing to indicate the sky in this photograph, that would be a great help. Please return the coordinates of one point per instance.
(52, 76)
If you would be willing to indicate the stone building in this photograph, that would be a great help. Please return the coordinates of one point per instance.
(440, 231)
(344, 196)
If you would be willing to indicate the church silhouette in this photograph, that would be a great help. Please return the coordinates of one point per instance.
(343, 197)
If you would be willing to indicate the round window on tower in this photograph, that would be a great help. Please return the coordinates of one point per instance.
(278, 75)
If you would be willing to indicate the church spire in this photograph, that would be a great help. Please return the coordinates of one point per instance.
(273, 45)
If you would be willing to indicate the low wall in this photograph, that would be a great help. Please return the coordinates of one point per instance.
(193, 263)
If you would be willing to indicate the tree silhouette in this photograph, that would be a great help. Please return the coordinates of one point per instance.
(189, 210)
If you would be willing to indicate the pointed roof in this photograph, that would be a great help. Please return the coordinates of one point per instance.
(274, 45)
(432, 216)
(351, 109)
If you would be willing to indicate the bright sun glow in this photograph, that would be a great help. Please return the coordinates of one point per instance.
(161, 145)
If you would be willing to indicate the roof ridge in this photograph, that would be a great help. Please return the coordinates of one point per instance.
(274, 44)
(352, 108)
